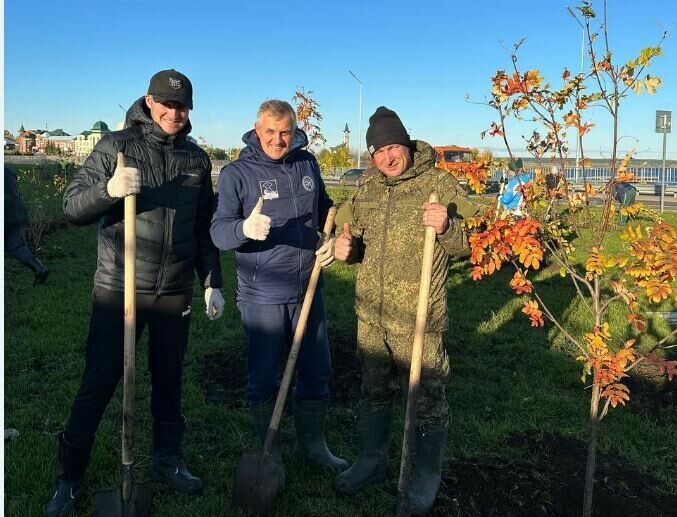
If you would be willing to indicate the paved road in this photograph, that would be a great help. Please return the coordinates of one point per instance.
(652, 201)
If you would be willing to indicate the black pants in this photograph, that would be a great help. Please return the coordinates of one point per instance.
(168, 318)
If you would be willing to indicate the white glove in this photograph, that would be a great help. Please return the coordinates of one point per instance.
(325, 253)
(125, 181)
(257, 225)
(214, 302)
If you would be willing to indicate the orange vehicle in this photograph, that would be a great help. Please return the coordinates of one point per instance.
(450, 157)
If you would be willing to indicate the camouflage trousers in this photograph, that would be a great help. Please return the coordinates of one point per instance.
(385, 358)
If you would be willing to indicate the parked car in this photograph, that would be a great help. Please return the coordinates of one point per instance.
(352, 177)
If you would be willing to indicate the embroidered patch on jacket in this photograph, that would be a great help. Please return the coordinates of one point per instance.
(175, 83)
(269, 189)
(308, 183)
(186, 312)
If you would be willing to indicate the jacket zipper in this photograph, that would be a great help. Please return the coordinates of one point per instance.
(165, 237)
(383, 252)
(298, 231)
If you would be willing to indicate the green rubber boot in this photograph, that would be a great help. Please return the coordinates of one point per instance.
(372, 461)
(309, 418)
(431, 441)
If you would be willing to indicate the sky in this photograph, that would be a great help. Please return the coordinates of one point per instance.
(70, 63)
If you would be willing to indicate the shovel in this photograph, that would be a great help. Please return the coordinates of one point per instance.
(133, 499)
(415, 369)
(259, 476)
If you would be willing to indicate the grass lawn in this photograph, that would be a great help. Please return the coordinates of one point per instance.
(516, 398)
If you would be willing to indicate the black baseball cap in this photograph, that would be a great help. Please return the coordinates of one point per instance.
(170, 85)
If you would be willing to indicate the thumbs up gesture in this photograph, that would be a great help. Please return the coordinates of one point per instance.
(257, 225)
(126, 181)
(343, 244)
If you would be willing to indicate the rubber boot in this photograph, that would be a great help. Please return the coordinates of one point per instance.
(40, 271)
(309, 418)
(168, 465)
(262, 413)
(72, 458)
(431, 441)
(372, 461)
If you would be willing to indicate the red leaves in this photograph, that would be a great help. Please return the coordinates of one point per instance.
(668, 368)
(495, 130)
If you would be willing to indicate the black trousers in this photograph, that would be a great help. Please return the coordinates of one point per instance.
(167, 318)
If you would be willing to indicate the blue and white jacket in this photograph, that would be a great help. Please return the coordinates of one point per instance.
(511, 199)
(276, 270)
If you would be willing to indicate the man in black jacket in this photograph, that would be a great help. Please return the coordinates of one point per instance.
(170, 176)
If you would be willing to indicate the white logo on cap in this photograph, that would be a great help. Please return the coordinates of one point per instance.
(371, 149)
(175, 83)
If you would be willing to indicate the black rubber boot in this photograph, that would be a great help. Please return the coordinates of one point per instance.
(431, 441)
(309, 418)
(168, 465)
(40, 271)
(372, 461)
(72, 458)
(262, 413)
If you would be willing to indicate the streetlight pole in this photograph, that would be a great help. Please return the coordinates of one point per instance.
(359, 127)
(578, 91)
(663, 125)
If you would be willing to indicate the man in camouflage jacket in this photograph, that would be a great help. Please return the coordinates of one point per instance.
(383, 228)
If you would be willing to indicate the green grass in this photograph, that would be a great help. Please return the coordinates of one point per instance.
(506, 378)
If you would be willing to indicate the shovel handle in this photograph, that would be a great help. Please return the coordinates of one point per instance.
(416, 355)
(129, 331)
(298, 337)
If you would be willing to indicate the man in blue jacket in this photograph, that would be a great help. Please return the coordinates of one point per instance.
(270, 204)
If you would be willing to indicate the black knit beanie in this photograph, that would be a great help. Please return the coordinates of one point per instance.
(385, 128)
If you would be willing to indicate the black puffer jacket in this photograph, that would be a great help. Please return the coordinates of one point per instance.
(174, 208)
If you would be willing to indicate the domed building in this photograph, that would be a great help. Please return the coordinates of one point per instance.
(85, 141)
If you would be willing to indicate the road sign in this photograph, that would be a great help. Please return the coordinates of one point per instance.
(663, 121)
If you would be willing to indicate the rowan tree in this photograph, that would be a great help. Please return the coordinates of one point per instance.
(309, 117)
(642, 273)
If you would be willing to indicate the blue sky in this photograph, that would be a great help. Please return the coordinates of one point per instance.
(69, 63)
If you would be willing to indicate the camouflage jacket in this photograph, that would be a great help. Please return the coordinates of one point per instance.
(386, 221)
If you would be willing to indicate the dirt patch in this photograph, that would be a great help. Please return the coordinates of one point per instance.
(223, 377)
(346, 379)
(223, 374)
(551, 485)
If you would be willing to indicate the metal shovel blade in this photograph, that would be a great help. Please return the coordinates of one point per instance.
(257, 481)
(110, 503)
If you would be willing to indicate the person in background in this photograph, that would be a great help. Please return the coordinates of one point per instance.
(16, 215)
(512, 198)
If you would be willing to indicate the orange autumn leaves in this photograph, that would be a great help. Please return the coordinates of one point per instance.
(509, 241)
(608, 367)
(476, 174)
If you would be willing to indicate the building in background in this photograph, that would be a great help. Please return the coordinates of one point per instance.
(84, 142)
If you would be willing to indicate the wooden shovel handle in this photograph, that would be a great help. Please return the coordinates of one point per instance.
(416, 355)
(129, 331)
(298, 337)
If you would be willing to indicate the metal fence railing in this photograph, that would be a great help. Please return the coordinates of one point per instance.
(643, 175)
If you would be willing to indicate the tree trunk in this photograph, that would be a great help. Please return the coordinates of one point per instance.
(592, 450)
